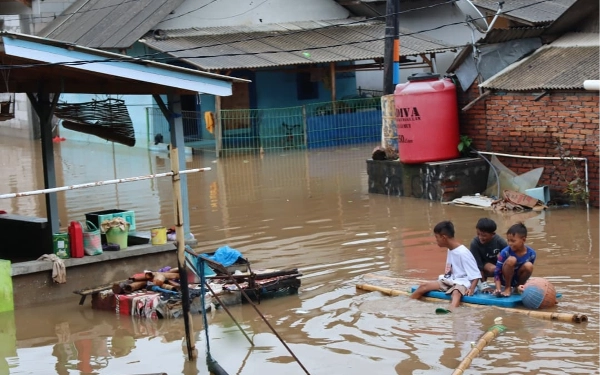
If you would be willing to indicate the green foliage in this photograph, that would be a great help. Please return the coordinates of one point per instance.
(575, 190)
(464, 146)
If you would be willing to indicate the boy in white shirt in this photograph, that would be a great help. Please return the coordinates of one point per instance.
(461, 275)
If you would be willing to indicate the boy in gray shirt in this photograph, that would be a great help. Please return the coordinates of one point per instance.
(485, 247)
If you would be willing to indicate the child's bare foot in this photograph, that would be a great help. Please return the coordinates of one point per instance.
(506, 292)
(519, 289)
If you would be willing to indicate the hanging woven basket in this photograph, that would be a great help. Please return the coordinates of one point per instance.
(107, 119)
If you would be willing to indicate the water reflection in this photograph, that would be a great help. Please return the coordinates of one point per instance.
(308, 210)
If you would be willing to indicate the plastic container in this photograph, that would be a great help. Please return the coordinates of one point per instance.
(76, 240)
(60, 245)
(427, 119)
(99, 216)
(117, 236)
(542, 193)
(158, 235)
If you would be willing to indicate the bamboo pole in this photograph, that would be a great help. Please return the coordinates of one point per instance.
(98, 183)
(180, 236)
(487, 337)
(547, 315)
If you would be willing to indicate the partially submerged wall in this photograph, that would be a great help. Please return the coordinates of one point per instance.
(517, 123)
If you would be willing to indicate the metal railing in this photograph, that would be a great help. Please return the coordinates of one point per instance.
(316, 125)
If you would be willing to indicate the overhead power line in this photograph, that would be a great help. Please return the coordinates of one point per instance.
(142, 57)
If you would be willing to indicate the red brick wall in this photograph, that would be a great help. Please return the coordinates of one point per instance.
(514, 123)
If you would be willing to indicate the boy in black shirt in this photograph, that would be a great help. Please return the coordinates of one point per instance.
(486, 246)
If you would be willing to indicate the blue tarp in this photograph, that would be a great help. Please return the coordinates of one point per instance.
(225, 255)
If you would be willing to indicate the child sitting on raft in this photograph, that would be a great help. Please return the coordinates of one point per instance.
(461, 274)
(515, 262)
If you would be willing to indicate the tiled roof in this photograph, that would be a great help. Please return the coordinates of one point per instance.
(561, 65)
(238, 47)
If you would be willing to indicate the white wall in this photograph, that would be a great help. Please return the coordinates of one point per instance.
(205, 13)
(19, 126)
(426, 19)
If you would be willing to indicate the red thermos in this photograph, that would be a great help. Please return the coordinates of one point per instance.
(76, 240)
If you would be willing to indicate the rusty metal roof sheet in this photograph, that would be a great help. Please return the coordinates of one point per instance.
(532, 12)
(561, 65)
(504, 35)
(312, 42)
(108, 24)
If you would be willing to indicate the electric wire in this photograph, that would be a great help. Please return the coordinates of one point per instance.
(55, 16)
(144, 58)
(191, 11)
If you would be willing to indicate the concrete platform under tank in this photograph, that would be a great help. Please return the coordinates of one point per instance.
(438, 181)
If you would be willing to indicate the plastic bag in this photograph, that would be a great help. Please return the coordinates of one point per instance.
(92, 244)
(509, 180)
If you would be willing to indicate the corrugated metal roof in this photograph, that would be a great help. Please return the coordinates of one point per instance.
(496, 36)
(108, 23)
(564, 64)
(582, 16)
(286, 44)
(505, 35)
(532, 12)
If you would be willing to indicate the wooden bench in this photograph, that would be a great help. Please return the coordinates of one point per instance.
(93, 290)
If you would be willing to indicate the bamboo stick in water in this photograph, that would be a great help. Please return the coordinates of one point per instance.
(547, 315)
(487, 337)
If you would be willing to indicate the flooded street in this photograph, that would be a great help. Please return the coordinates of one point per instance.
(311, 211)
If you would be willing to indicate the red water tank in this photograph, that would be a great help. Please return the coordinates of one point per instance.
(76, 240)
(427, 119)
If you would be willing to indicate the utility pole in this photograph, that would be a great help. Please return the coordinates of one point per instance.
(391, 56)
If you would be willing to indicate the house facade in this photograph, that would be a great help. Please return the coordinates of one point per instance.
(229, 36)
(534, 104)
(291, 66)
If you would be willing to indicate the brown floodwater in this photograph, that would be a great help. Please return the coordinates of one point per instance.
(309, 210)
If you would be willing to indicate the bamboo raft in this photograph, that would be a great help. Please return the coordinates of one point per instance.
(547, 315)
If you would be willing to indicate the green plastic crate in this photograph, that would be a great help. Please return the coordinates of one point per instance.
(99, 216)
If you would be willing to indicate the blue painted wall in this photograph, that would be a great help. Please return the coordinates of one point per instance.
(278, 89)
(344, 128)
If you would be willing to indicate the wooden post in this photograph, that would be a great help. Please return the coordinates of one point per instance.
(45, 110)
(305, 126)
(333, 89)
(391, 46)
(218, 127)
